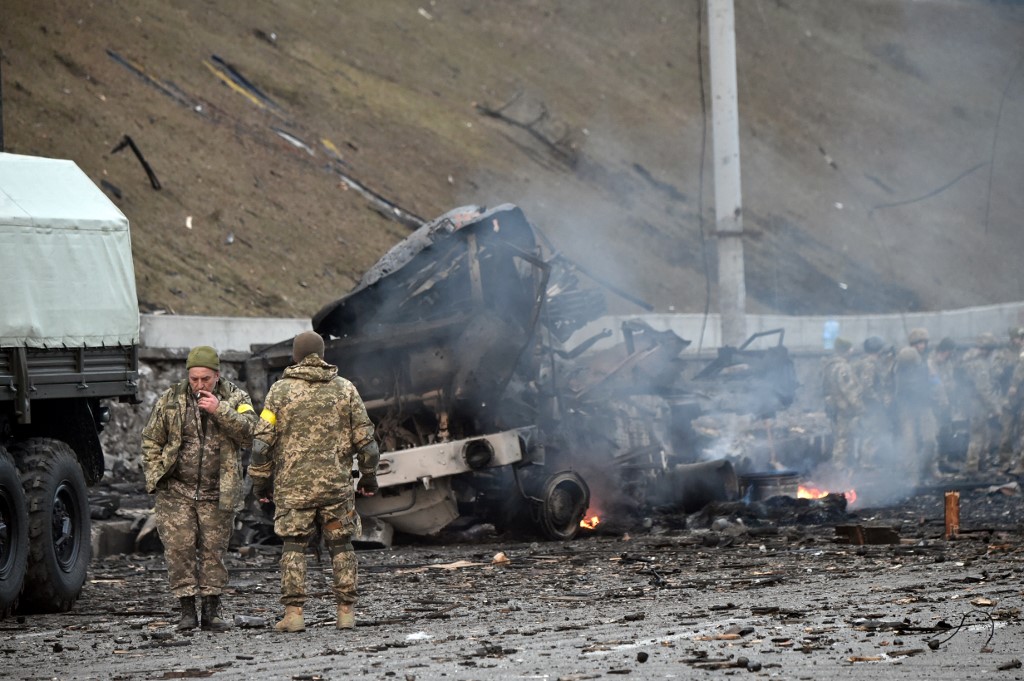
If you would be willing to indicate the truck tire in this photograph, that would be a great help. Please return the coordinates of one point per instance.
(58, 521)
(13, 534)
(564, 498)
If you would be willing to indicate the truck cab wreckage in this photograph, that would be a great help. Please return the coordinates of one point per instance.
(455, 340)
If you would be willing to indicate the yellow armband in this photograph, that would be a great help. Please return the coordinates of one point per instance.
(269, 417)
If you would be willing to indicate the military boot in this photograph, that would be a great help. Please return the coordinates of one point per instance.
(292, 620)
(188, 614)
(346, 617)
(211, 615)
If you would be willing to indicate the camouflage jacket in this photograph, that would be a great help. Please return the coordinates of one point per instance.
(230, 427)
(315, 425)
(842, 391)
(977, 366)
(872, 372)
(1004, 362)
(951, 402)
(915, 388)
(1015, 393)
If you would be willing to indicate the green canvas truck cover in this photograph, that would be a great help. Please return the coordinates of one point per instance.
(66, 273)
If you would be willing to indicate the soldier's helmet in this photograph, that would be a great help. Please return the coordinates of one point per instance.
(874, 344)
(1016, 332)
(947, 344)
(842, 345)
(908, 357)
(917, 335)
(987, 341)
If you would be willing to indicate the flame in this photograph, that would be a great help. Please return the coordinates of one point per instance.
(591, 522)
(808, 492)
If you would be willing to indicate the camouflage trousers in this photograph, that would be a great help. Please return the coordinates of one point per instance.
(917, 434)
(873, 435)
(842, 440)
(195, 535)
(1011, 437)
(296, 526)
(982, 437)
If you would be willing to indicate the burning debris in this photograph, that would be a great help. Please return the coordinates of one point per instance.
(462, 341)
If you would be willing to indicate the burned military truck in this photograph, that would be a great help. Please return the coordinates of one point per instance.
(440, 337)
(456, 340)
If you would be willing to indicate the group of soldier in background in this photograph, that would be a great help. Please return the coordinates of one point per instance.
(893, 407)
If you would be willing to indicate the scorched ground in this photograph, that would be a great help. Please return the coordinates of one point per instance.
(738, 590)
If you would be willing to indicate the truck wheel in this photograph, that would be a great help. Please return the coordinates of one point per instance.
(58, 521)
(564, 500)
(13, 534)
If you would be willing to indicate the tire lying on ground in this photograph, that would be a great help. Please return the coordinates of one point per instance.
(13, 534)
(58, 522)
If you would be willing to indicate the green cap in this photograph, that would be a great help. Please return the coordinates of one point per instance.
(203, 356)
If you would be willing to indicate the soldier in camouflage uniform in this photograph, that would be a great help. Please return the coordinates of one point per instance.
(873, 371)
(1011, 450)
(1005, 365)
(312, 427)
(843, 402)
(916, 393)
(985, 404)
(191, 450)
(1004, 359)
(951, 407)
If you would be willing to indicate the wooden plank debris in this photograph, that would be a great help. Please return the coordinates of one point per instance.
(867, 534)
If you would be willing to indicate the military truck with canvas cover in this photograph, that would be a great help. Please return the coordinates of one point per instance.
(69, 337)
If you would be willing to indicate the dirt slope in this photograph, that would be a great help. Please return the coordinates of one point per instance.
(847, 109)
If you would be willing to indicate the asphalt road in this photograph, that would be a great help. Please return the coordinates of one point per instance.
(757, 598)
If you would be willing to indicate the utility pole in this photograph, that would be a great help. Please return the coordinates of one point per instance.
(732, 289)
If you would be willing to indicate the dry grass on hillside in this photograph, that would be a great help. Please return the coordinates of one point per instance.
(881, 140)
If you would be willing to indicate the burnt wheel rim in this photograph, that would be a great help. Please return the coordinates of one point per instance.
(564, 506)
(561, 507)
(65, 526)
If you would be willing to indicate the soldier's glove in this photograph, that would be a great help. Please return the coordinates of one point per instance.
(367, 483)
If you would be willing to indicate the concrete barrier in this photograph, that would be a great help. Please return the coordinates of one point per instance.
(806, 333)
(176, 333)
(231, 335)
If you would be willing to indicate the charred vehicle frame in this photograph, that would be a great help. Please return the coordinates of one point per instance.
(456, 342)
